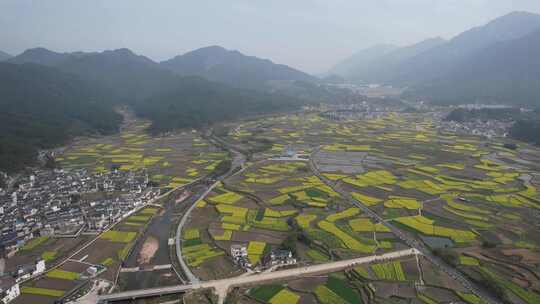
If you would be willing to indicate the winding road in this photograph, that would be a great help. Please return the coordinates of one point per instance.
(237, 162)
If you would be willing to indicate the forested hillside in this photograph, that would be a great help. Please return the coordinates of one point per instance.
(43, 107)
(197, 102)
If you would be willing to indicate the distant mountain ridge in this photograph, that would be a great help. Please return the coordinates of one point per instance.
(128, 76)
(440, 60)
(359, 60)
(383, 63)
(137, 77)
(4, 56)
(496, 62)
(44, 57)
(233, 68)
(506, 72)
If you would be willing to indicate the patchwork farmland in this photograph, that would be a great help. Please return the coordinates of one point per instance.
(472, 201)
(271, 204)
(171, 160)
(372, 283)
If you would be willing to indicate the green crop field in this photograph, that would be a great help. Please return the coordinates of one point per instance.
(326, 296)
(389, 271)
(62, 274)
(285, 297)
(347, 240)
(118, 236)
(35, 242)
(197, 254)
(265, 293)
(49, 255)
(426, 226)
(42, 291)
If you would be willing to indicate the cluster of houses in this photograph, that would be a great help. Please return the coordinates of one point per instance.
(276, 258)
(64, 204)
(485, 128)
(9, 283)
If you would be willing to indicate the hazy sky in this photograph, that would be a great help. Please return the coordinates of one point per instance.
(310, 35)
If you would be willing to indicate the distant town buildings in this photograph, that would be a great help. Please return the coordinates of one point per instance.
(488, 129)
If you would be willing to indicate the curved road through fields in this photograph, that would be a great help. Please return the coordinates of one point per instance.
(238, 162)
(412, 242)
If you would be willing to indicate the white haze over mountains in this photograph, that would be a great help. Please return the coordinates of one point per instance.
(311, 35)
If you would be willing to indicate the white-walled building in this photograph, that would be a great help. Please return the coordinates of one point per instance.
(9, 289)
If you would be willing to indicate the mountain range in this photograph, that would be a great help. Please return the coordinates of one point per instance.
(78, 91)
(140, 77)
(441, 70)
(128, 77)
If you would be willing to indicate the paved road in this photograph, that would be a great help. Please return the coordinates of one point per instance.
(237, 162)
(412, 242)
(222, 286)
(192, 278)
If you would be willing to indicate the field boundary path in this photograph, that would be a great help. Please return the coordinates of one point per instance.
(222, 286)
(412, 242)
